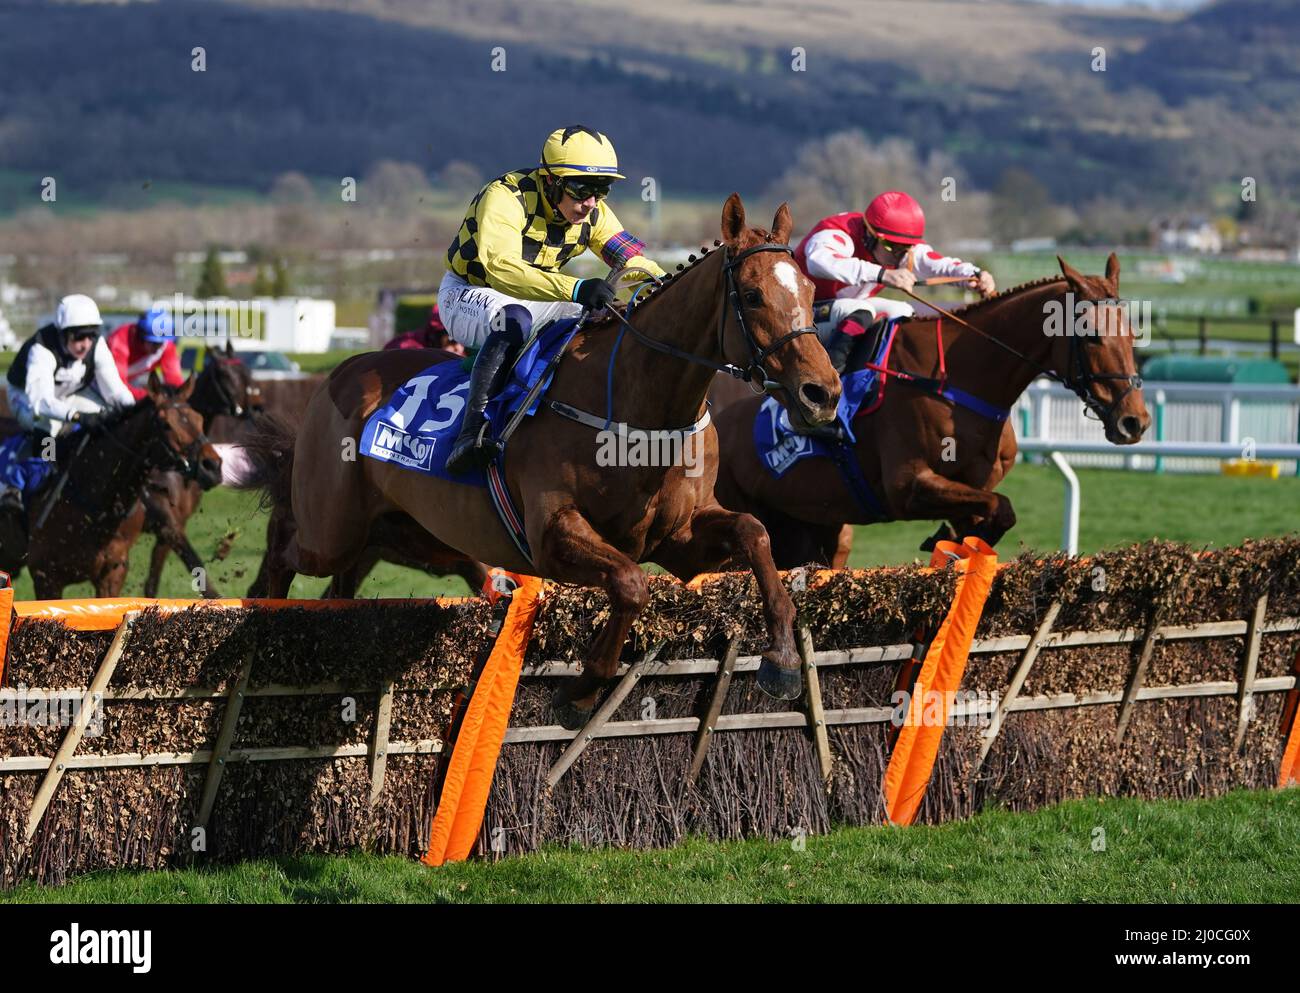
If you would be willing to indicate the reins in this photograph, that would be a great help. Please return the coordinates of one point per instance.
(755, 370)
(1077, 379)
(183, 462)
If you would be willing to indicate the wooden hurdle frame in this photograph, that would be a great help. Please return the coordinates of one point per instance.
(812, 715)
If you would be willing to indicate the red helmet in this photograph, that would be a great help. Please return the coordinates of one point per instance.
(896, 217)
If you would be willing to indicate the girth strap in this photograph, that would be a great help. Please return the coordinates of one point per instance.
(622, 427)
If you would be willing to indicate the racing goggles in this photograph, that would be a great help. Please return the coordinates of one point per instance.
(579, 190)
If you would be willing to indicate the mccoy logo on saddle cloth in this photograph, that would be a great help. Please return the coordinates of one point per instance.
(418, 425)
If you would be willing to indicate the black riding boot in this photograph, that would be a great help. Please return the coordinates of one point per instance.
(838, 348)
(850, 350)
(473, 449)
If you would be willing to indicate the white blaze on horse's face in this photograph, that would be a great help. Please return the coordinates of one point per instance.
(788, 276)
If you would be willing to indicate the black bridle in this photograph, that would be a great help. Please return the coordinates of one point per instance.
(1077, 376)
(756, 371)
(224, 396)
(1080, 378)
(185, 462)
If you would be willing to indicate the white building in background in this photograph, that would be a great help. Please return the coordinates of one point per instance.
(280, 324)
(1198, 235)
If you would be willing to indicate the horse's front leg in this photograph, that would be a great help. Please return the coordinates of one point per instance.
(572, 552)
(716, 536)
(932, 497)
(173, 537)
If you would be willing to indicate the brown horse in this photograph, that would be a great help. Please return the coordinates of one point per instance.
(398, 539)
(224, 387)
(89, 532)
(588, 523)
(925, 457)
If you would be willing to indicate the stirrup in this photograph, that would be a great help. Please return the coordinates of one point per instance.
(475, 454)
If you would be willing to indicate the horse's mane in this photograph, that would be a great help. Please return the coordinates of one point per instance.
(1002, 295)
(656, 290)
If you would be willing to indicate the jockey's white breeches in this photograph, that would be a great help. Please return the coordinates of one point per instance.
(468, 311)
(843, 307)
(85, 401)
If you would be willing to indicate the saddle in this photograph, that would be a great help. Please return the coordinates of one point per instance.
(867, 345)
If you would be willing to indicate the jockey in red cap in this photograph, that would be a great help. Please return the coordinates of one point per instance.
(851, 257)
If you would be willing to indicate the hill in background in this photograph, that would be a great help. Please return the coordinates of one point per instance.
(701, 95)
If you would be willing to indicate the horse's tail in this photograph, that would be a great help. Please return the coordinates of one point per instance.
(266, 453)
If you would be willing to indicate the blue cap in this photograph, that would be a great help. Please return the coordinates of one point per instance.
(156, 326)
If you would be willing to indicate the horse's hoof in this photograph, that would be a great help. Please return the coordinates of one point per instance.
(945, 533)
(777, 682)
(568, 716)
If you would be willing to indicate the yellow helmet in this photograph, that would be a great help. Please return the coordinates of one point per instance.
(580, 151)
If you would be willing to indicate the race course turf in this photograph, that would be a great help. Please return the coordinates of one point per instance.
(1233, 849)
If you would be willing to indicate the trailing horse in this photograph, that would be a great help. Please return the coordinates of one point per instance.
(225, 386)
(938, 442)
(96, 516)
(585, 522)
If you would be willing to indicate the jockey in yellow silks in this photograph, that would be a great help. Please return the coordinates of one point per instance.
(851, 257)
(505, 268)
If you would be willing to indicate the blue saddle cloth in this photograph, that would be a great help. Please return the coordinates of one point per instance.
(780, 447)
(27, 474)
(418, 425)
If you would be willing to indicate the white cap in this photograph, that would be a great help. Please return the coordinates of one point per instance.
(77, 311)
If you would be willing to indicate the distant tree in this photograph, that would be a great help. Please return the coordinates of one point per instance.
(262, 285)
(212, 278)
(394, 187)
(292, 187)
(280, 286)
(1022, 207)
(460, 177)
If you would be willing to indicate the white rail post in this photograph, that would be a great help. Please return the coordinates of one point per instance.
(1073, 499)
(1042, 409)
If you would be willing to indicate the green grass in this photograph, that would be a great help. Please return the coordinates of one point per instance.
(1233, 849)
(322, 361)
(1118, 508)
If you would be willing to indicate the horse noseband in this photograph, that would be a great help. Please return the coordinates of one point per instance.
(1081, 379)
(755, 371)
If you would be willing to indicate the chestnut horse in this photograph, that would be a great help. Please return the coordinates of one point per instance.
(925, 457)
(586, 522)
(225, 386)
(89, 532)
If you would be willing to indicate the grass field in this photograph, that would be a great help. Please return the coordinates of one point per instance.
(1118, 508)
(1238, 848)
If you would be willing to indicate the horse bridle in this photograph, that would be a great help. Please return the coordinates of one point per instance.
(757, 356)
(756, 370)
(185, 462)
(236, 409)
(1078, 377)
